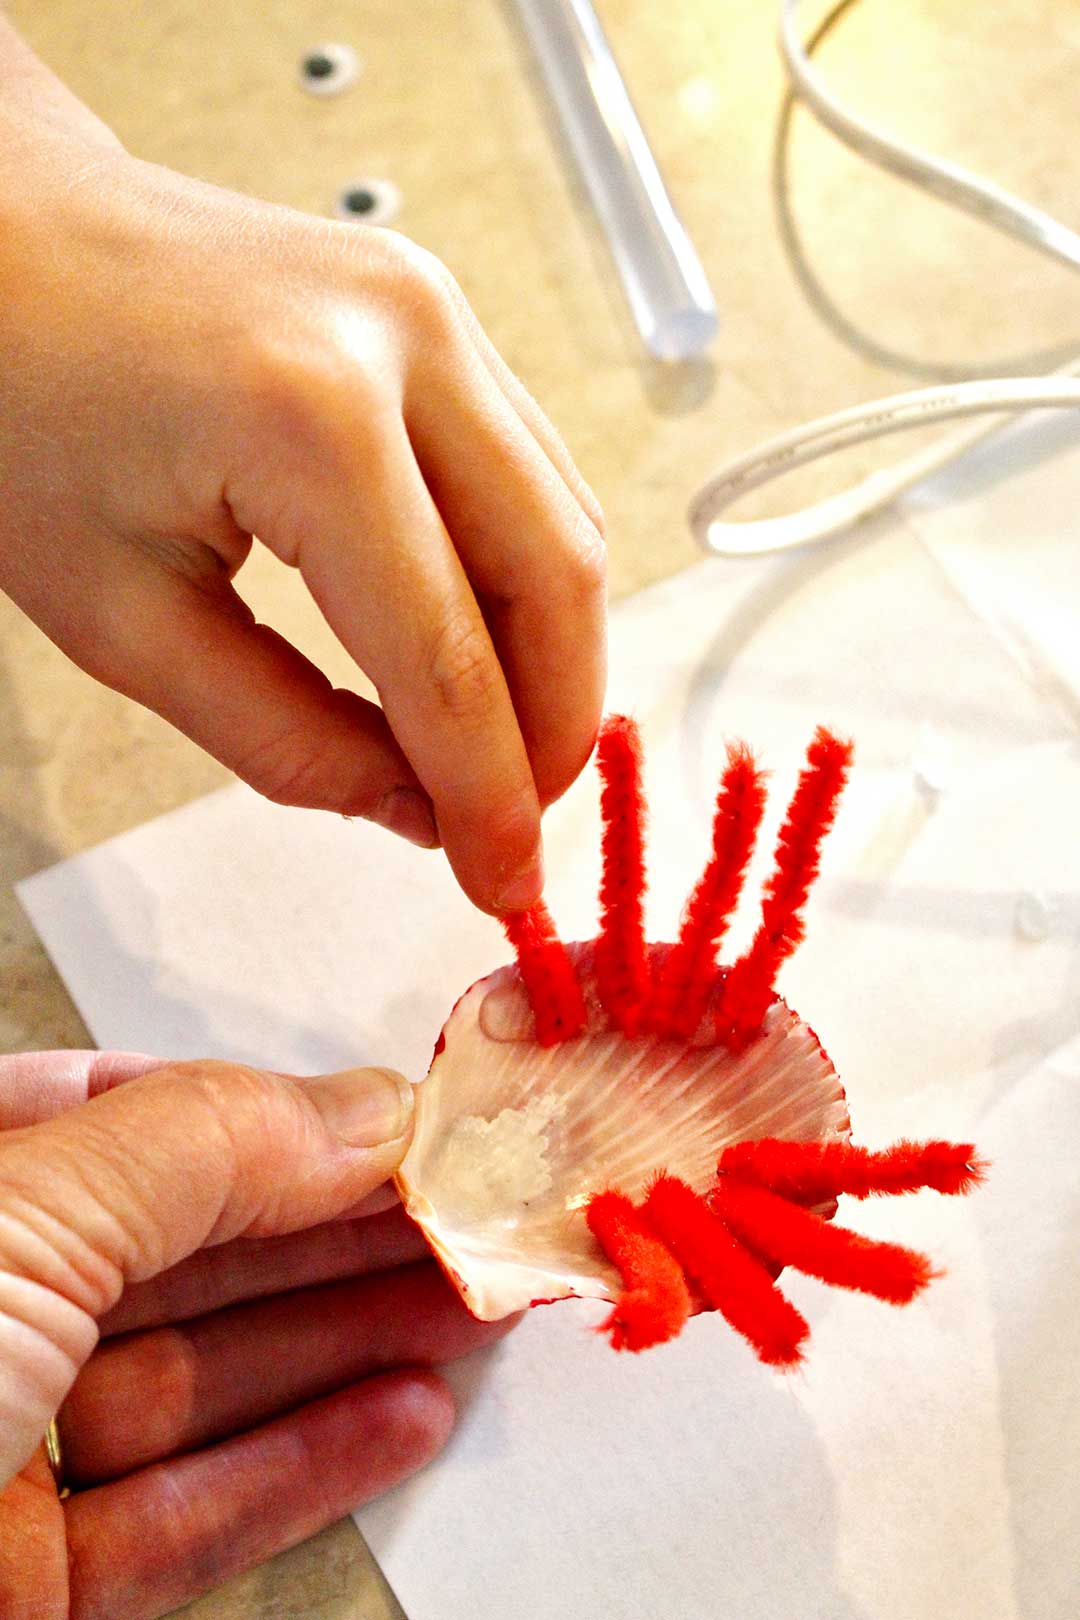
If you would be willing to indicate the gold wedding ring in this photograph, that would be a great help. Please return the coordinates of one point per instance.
(56, 1458)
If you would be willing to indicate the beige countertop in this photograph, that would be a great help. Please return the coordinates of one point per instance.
(885, 289)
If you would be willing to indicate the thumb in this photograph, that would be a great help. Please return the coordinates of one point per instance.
(138, 1178)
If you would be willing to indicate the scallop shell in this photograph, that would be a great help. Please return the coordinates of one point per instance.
(512, 1139)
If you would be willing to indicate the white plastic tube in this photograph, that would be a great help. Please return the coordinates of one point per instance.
(669, 294)
(996, 400)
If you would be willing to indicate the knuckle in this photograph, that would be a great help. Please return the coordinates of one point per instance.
(463, 672)
(313, 393)
(428, 273)
(215, 1075)
(510, 825)
(432, 298)
(594, 510)
(587, 563)
(238, 1113)
(287, 769)
(103, 1431)
(232, 1094)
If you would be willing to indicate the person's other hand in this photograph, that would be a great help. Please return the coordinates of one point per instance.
(238, 1355)
(184, 369)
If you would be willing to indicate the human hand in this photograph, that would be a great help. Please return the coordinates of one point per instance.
(186, 368)
(236, 1351)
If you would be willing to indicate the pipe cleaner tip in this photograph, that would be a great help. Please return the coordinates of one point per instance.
(954, 1168)
(742, 765)
(639, 1321)
(783, 1351)
(815, 1172)
(779, 1230)
(655, 1302)
(899, 1275)
(828, 747)
(731, 1279)
(619, 726)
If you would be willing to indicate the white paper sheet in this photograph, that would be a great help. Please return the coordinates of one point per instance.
(926, 1462)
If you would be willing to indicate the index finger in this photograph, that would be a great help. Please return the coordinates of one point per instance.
(35, 1086)
(534, 558)
(392, 588)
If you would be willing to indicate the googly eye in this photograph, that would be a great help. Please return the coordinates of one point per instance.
(368, 202)
(326, 70)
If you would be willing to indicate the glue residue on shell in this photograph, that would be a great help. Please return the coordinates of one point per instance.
(493, 1169)
(511, 1139)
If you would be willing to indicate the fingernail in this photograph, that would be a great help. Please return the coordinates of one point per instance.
(406, 812)
(365, 1107)
(523, 889)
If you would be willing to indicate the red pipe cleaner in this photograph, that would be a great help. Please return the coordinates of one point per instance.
(814, 1172)
(689, 974)
(790, 1235)
(656, 1302)
(748, 990)
(621, 960)
(729, 1277)
(680, 1251)
(547, 974)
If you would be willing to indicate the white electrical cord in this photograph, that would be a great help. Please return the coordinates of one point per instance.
(1000, 399)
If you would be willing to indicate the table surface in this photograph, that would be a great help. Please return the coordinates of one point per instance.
(835, 284)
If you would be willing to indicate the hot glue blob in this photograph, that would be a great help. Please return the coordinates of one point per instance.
(632, 1122)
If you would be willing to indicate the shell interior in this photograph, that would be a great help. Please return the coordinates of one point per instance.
(512, 1139)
